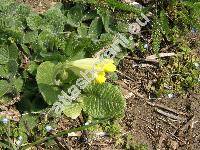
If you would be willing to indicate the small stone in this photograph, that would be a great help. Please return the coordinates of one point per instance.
(101, 133)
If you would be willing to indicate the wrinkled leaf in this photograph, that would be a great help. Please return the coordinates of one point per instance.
(103, 101)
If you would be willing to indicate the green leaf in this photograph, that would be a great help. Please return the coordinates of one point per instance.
(30, 37)
(12, 68)
(18, 84)
(13, 51)
(45, 81)
(75, 15)
(95, 29)
(75, 46)
(4, 55)
(34, 21)
(123, 6)
(156, 36)
(73, 110)
(164, 22)
(4, 3)
(4, 87)
(48, 41)
(5, 99)
(122, 26)
(32, 68)
(4, 71)
(23, 10)
(26, 126)
(54, 20)
(26, 49)
(106, 18)
(83, 30)
(103, 101)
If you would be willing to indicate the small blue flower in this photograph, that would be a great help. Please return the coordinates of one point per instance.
(48, 128)
(196, 65)
(170, 95)
(18, 142)
(193, 30)
(87, 123)
(5, 120)
(146, 46)
(20, 138)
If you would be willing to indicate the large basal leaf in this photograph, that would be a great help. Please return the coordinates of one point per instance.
(27, 124)
(83, 30)
(73, 110)
(4, 71)
(4, 55)
(75, 15)
(4, 87)
(8, 53)
(13, 51)
(75, 45)
(18, 84)
(106, 18)
(95, 29)
(103, 101)
(45, 81)
(54, 20)
(34, 21)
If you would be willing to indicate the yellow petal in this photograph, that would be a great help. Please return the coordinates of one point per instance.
(100, 78)
(110, 67)
(85, 64)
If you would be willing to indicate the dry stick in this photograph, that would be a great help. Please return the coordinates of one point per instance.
(61, 145)
(162, 138)
(126, 76)
(154, 57)
(181, 130)
(151, 72)
(167, 122)
(143, 60)
(61, 134)
(166, 108)
(175, 137)
(127, 88)
(169, 114)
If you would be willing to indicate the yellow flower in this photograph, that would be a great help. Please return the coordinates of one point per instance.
(99, 66)
(100, 78)
(109, 66)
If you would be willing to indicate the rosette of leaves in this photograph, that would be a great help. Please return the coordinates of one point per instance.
(10, 81)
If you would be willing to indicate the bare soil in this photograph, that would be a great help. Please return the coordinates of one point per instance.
(161, 123)
(39, 5)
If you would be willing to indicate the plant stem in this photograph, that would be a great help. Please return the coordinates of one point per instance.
(60, 134)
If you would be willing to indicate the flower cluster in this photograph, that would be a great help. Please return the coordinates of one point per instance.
(98, 67)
